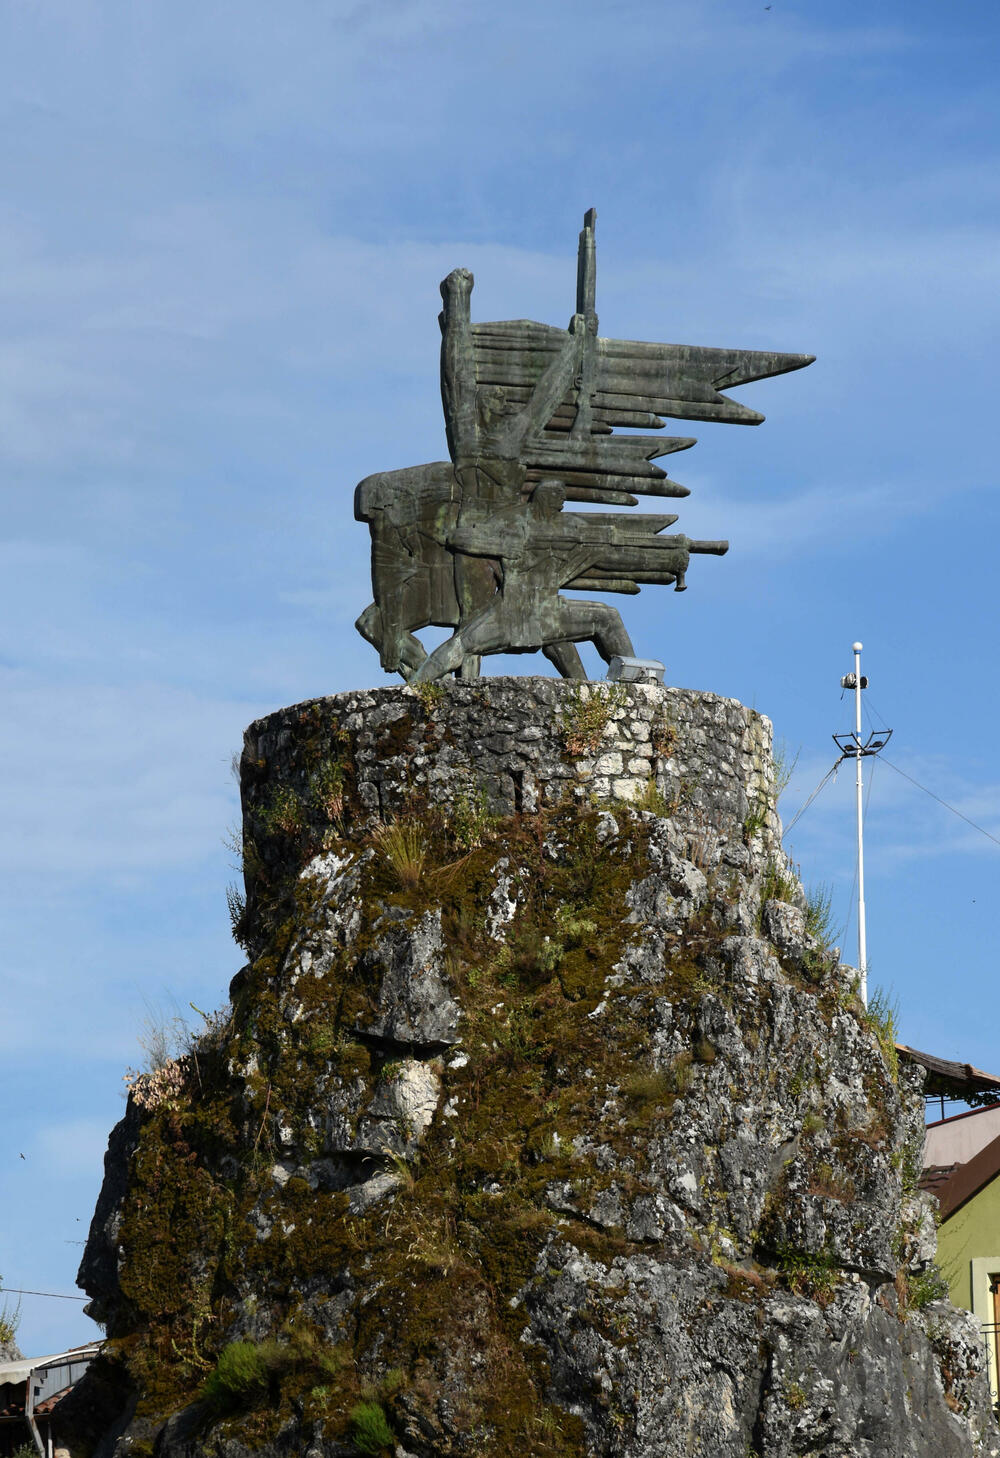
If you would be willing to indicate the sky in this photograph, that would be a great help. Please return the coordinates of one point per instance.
(222, 229)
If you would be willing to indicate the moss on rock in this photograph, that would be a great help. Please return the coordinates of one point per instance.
(532, 1144)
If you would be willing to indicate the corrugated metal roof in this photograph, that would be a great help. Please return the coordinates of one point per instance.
(18, 1371)
(946, 1077)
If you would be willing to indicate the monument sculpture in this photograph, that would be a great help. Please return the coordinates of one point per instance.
(539, 1121)
(481, 543)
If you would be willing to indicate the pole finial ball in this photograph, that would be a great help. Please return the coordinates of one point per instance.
(856, 647)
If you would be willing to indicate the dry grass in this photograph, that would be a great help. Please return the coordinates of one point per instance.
(404, 849)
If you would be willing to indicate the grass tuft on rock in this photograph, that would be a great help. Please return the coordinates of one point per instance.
(240, 1379)
(370, 1430)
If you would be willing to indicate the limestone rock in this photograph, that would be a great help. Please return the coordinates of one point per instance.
(405, 1102)
(413, 1003)
(534, 1130)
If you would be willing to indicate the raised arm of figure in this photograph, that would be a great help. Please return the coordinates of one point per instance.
(458, 366)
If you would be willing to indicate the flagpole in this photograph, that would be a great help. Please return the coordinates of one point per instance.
(853, 746)
(858, 756)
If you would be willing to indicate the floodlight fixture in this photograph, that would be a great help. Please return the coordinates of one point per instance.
(635, 670)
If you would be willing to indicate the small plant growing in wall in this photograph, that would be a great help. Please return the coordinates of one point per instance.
(819, 915)
(586, 717)
(240, 1379)
(472, 821)
(784, 767)
(780, 882)
(236, 904)
(326, 789)
(925, 1287)
(247, 1374)
(882, 1017)
(653, 800)
(664, 737)
(429, 694)
(810, 1273)
(282, 813)
(164, 1085)
(795, 1395)
(756, 818)
(909, 1162)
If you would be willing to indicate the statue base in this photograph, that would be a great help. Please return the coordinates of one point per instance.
(522, 744)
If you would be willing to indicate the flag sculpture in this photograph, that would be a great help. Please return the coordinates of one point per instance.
(483, 543)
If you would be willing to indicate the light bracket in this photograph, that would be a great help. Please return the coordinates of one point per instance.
(851, 746)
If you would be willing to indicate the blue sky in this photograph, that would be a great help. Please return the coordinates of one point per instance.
(222, 228)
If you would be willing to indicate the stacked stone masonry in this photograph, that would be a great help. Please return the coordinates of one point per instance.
(531, 742)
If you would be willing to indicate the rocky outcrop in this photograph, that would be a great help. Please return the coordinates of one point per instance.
(541, 1121)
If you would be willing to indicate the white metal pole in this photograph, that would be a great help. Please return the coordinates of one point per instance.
(862, 946)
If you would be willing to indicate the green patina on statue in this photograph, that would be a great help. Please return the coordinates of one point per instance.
(482, 544)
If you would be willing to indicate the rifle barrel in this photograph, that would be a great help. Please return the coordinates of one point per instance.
(593, 493)
(604, 584)
(712, 549)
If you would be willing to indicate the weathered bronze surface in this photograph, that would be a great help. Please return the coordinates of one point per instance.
(481, 543)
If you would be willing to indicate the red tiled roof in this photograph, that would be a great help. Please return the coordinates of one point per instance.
(967, 1179)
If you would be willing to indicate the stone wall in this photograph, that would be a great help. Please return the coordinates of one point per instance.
(527, 743)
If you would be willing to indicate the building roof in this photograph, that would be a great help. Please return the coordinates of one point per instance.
(961, 1137)
(950, 1119)
(964, 1180)
(953, 1080)
(20, 1370)
(935, 1176)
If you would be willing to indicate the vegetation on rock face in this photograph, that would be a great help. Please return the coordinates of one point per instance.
(248, 1374)
(404, 848)
(10, 1320)
(239, 1380)
(370, 1430)
(819, 915)
(192, 1235)
(587, 716)
(923, 1287)
(780, 881)
(882, 1016)
(360, 1224)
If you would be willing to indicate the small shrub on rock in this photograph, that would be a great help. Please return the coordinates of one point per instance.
(882, 1016)
(240, 1378)
(925, 1287)
(370, 1430)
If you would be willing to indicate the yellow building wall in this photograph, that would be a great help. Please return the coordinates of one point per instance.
(968, 1255)
(972, 1233)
